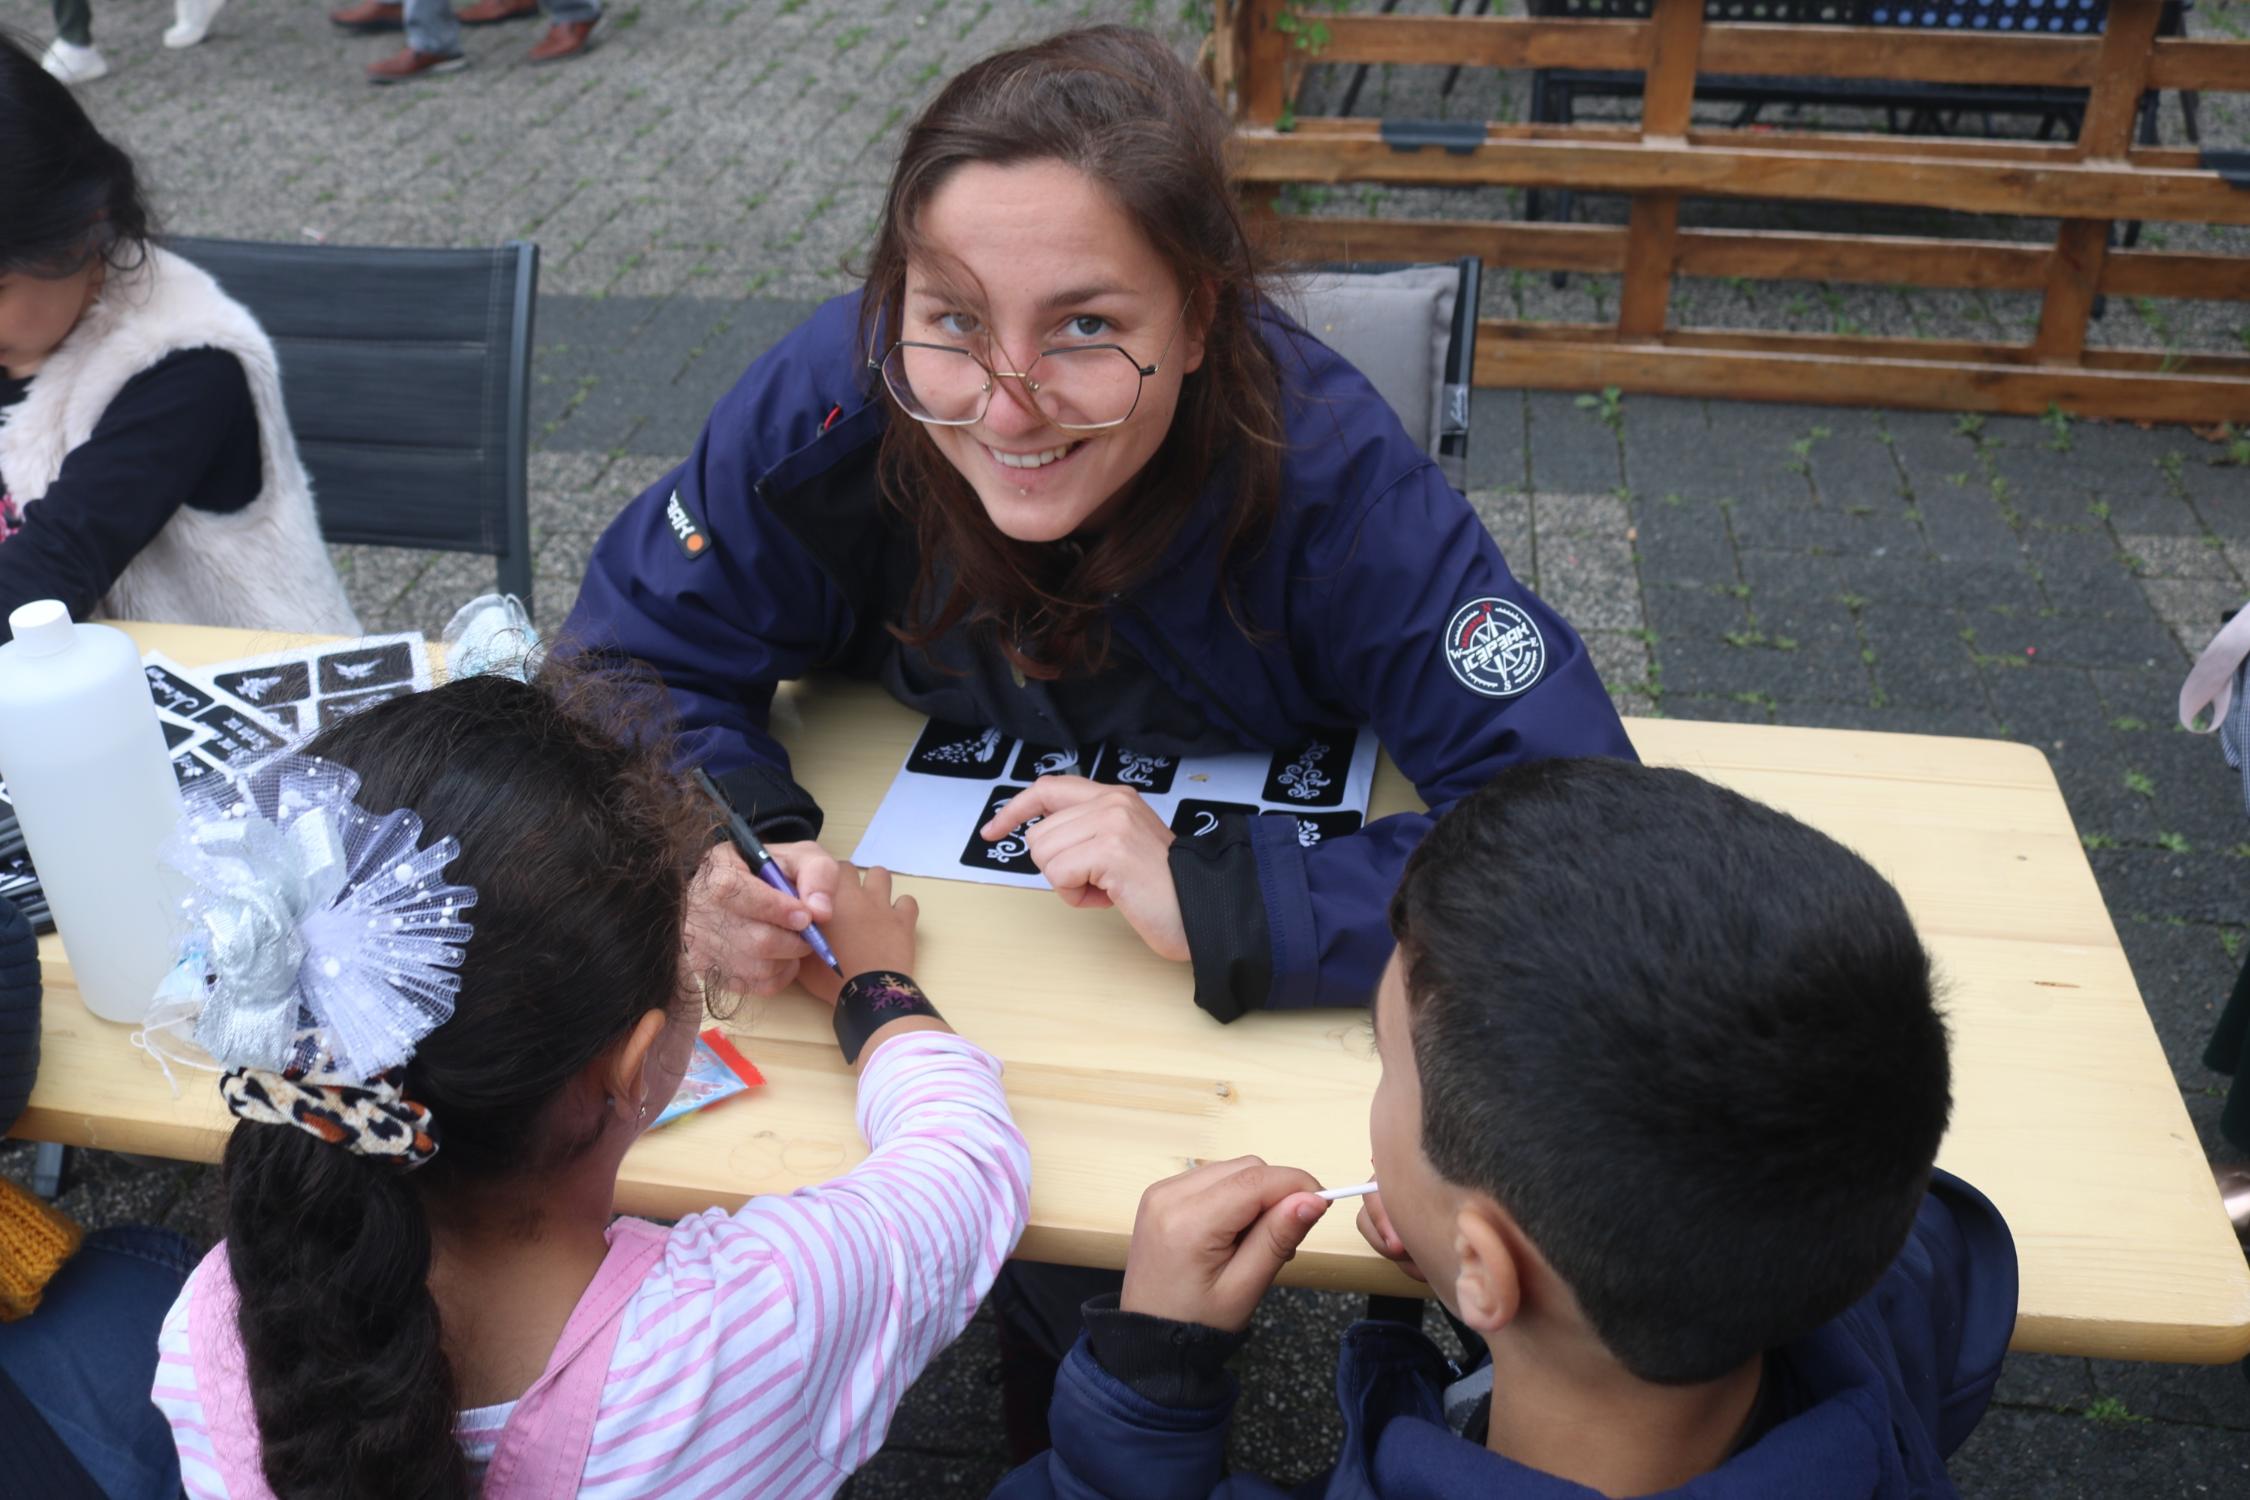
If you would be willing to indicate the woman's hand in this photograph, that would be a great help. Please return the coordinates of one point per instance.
(1100, 846)
(747, 932)
(868, 931)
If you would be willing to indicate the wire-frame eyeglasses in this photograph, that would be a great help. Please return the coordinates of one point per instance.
(1079, 388)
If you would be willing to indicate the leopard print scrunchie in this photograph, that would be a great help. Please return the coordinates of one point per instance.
(367, 1119)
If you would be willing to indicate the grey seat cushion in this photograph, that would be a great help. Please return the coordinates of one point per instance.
(1394, 326)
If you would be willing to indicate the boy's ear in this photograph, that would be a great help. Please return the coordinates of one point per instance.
(1489, 1288)
(625, 1079)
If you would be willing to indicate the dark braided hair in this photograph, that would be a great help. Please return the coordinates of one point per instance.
(66, 193)
(580, 844)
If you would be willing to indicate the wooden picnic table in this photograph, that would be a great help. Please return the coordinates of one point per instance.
(2065, 1109)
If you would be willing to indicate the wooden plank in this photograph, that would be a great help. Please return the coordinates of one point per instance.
(1668, 93)
(2082, 190)
(1877, 52)
(2112, 109)
(1667, 106)
(1864, 260)
(1886, 52)
(1854, 346)
(1935, 385)
(2220, 67)
(2167, 273)
(1262, 55)
(1484, 41)
(1529, 247)
(1647, 294)
(1770, 255)
(1858, 378)
(1942, 148)
(2105, 133)
(1830, 142)
(1764, 51)
(1884, 143)
(2074, 271)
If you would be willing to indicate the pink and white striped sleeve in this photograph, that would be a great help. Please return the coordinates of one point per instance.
(890, 1261)
(176, 1396)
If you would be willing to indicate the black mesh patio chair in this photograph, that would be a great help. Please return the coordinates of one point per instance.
(408, 378)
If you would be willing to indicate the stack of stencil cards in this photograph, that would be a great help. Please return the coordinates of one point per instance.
(235, 712)
(958, 776)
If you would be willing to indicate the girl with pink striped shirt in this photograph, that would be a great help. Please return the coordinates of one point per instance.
(437, 957)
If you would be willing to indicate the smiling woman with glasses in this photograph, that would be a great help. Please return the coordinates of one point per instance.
(1061, 469)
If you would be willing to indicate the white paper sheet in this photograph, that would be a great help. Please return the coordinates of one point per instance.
(957, 775)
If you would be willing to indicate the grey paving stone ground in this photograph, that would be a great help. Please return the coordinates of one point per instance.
(702, 179)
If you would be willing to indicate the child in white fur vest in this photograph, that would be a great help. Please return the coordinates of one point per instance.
(146, 465)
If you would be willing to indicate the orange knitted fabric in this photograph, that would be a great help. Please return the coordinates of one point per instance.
(34, 1242)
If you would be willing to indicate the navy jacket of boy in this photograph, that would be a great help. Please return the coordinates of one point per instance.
(1383, 599)
(1871, 1403)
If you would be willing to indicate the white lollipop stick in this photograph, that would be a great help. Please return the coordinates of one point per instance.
(1356, 1190)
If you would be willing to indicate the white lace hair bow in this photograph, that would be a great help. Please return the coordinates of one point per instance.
(314, 933)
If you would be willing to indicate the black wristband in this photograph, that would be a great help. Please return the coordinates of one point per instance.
(873, 1000)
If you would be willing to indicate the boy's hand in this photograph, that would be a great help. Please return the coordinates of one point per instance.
(1207, 1243)
(1375, 1228)
(869, 931)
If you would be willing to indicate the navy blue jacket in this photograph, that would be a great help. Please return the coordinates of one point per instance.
(1874, 1401)
(1382, 601)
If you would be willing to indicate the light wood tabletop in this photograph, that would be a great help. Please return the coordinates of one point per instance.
(2065, 1110)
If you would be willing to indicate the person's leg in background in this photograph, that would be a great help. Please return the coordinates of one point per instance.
(85, 1359)
(494, 12)
(74, 22)
(1039, 1311)
(433, 44)
(570, 29)
(72, 56)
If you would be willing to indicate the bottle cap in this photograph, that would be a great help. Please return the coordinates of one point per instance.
(42, 627)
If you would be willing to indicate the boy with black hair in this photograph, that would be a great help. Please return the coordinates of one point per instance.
(1663, 1082)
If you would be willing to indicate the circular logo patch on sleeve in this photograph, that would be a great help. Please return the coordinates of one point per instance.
(1494, 648)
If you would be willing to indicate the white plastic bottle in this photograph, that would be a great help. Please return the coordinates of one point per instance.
(84, 758)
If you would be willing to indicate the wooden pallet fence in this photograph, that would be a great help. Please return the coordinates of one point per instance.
(1258, 54)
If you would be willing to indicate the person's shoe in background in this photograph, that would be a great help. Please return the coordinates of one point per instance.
(371, 15)
(191, 21)
(407, 63)
(74, 64)
(564, 39)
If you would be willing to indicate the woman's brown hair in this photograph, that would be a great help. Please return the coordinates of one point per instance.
(1118, 106)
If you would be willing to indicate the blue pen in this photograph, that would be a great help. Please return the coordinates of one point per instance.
(755, 856)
